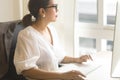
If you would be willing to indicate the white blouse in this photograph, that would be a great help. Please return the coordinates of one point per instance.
(32, 50)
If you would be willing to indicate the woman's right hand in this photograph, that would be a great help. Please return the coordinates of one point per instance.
(73, 75)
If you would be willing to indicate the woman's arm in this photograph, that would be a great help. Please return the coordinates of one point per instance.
(81, 59)
(42, 74)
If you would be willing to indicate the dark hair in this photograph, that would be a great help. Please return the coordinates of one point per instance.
(34, 6)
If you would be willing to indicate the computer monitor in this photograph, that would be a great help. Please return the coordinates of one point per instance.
(115, 66)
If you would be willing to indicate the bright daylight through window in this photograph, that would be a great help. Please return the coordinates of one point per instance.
(94, 24)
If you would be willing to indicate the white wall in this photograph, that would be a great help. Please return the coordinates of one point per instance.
(65, 24)
(9, 10)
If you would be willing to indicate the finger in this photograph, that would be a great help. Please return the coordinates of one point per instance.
(78, 73)
(85, 57)
(81, 74)
(88, 57)
(84, 60)
(79, 78)
(82, 78)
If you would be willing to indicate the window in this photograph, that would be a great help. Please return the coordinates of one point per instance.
(87, 11)
(94, 24)
(107, 45)
(110, 8)
(87, 45)
(87, 42)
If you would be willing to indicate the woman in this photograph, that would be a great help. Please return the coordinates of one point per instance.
(38, 50)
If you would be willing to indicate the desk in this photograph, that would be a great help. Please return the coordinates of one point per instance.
(102, 73)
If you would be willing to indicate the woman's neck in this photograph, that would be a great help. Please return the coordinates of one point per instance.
(43, 29)
(40, 26)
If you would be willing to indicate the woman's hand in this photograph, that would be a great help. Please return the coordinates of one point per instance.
(83, 58)
(80, 59)
(73, 75)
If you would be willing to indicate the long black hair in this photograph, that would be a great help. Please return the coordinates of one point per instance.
(33, 7)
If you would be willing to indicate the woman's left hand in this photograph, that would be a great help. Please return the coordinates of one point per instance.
(83, 58)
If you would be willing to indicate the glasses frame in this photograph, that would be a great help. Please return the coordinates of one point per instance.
(53, 6)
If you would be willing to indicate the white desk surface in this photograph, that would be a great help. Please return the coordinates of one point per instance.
(102, 73)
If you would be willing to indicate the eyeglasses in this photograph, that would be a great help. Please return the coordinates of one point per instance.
(53, 6)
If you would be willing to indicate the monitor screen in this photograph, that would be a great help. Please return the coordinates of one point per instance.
(115, 66)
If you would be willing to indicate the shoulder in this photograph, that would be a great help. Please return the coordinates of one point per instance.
(27, 32)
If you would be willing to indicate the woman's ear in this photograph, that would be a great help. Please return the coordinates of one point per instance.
(42, 12)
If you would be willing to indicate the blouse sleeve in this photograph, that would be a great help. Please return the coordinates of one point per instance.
(26, 52)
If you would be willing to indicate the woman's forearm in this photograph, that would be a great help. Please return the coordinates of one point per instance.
(81, 59)
(41, 74)
(69, 60)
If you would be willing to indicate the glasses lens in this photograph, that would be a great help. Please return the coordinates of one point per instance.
(53, 6)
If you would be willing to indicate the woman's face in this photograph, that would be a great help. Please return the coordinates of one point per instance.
(51, 11)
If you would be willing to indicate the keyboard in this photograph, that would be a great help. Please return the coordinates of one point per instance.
(85, 68)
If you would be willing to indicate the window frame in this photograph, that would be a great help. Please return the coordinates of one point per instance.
(98, 30)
